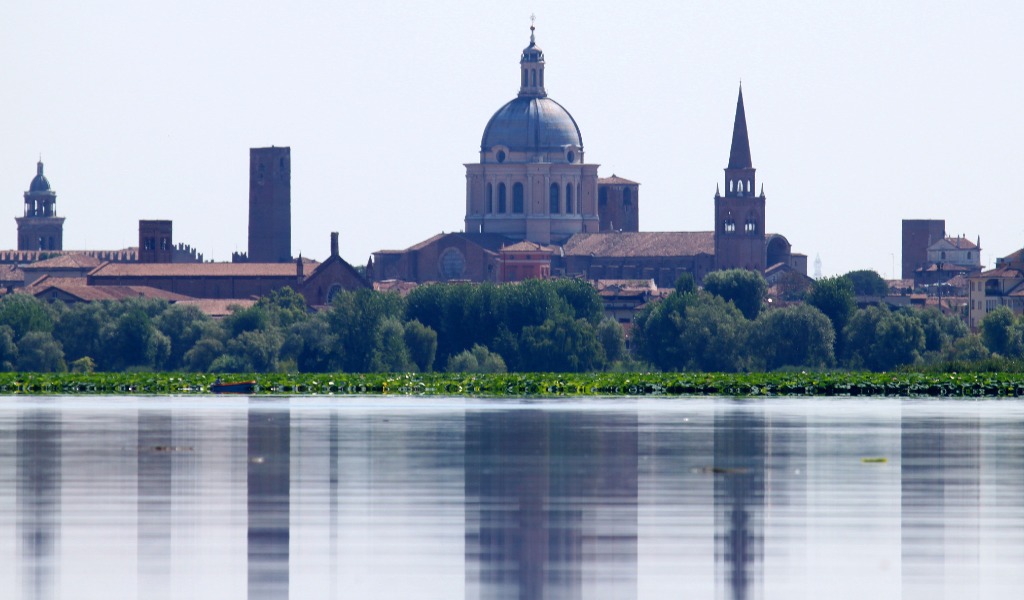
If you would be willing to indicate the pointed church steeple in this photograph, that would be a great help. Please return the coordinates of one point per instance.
(739, 175)
(531, 66)
(739, 155)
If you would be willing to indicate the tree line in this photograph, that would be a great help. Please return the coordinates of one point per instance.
(728, 326)
(532, 326)
(557, 325)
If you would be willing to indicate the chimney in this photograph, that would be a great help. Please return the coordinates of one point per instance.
(299, 270)
(334, 244)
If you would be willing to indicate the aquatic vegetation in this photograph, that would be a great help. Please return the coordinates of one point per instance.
(972, 385)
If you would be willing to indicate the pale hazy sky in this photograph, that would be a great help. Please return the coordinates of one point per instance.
(860, 114)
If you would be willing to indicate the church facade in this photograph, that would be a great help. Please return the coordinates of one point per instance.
(532, 184)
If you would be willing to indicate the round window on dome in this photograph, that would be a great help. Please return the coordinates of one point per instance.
(500, 156)
(570, 156)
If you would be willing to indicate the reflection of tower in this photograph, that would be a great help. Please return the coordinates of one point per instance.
(40, 228)
(940, 499)
(551, 505)
(739, 214)
(269, 474)
(739, 503)
(154, 503)
(270, 204)
(39, 490)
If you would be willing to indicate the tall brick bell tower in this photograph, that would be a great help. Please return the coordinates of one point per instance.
(739, 214)
(270, 205)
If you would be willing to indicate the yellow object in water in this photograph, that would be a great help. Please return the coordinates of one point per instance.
(874, 459)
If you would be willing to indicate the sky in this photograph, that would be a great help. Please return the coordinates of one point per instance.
(860, 114)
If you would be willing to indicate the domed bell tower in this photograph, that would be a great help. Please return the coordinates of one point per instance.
(40, 228)
(739, 214)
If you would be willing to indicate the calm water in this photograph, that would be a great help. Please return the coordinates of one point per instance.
(455, 498)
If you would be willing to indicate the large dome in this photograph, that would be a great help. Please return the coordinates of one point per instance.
(531, 124)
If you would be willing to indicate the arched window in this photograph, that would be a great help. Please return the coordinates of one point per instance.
(748, 185)
(517, 197)
(501, 198)
(554, 199)
(731, 185)
(569, 208)
(490, 198)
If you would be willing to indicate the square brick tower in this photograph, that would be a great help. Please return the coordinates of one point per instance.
(155, 242)
(918, 234)
(270, 204)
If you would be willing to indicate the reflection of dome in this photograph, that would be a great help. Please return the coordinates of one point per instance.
(39, 183)
(531, 124)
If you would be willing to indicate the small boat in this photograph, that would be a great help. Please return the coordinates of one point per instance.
(233, 387)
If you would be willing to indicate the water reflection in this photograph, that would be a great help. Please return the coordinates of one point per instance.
(400, 498)
(38, 501)
(551, 505)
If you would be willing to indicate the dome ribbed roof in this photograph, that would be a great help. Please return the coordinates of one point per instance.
(39, 183)
(528, 124)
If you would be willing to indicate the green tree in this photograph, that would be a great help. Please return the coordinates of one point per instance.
(200, 358)
(834, 297)
(940, 331)
(613, 340)
(879, 340)
(311, 345)
(692, 331)
(183, 326)
(24, 314)
(1001, 332)
(797, 336)
(355, 318)
(251, 352)
(133, 341)
(78, 329)
(561, 344)
(478, 359)
(390, 355)
(421, 341)
(746, 289)
(867, 283)
(8, 349)
(39, 352)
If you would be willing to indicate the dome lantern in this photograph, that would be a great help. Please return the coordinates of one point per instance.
(531, 66)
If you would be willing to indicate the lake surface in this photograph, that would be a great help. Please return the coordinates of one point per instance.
(161, 497)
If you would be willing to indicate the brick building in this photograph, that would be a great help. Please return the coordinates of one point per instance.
(532, 185)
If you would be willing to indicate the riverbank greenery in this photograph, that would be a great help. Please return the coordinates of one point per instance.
(962, 385)
(534, 326)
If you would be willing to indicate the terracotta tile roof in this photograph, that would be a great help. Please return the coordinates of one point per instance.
(962, 243)
(217, 308)
(630, 244)
(66, 261)
(395, 285)
(615, 180)
(11, 273)
(527, 246)
(487, 241)
(219, 269)
(93, 293)
(1004, 272)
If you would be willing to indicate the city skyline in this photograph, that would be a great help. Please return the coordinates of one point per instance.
(859, 116)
